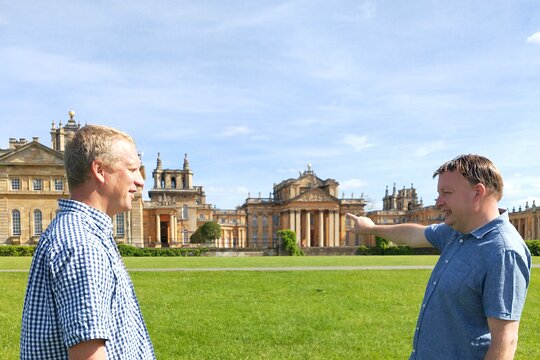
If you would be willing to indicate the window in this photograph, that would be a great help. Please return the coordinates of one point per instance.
(265, 239)
(255, 223)
(16, 222)
(265, 221)
(173, 182)
(58, 185)
(185, 237)
(201, 216)
(254, 238)
(275, 220)
(185, 212)
(120, 227)
(38, 222)
(37, 184)
(15, 184)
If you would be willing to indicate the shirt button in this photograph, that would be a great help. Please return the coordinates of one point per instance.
(461, 241)
(446, 261)
(434, 283)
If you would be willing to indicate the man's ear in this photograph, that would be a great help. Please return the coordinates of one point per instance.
(480, 190)
(97, 170)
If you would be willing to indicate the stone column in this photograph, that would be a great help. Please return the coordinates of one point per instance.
(174, 234)
(298, 223)
(321, 229)
(291, 220)
(336, 228)
(308, 229)
(158, 229)
(331, 232)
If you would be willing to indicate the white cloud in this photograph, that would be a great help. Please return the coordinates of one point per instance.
(227, 190)
(359, 143)
(41, 67)
(351, 184)
(428, 149)
(534, 38)
(237, 130)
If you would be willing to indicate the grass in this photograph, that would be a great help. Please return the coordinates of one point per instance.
(228, 262)
(273, 314)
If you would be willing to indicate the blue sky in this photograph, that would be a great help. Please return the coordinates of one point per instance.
(371, 93)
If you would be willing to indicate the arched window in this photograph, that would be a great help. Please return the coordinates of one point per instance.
(38, 222)
(16, 222)
(120, 225)
(173, 182)
(265, 221)
(255, 222)
(254, 240)
(185, 237)
(162, 181)
(185, 212)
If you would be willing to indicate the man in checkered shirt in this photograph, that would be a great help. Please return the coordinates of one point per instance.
(80, 302)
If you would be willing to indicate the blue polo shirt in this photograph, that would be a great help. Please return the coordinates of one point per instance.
(79, 290)
(481, 274)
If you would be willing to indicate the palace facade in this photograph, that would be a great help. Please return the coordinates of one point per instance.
(32, 179)
(308, 205)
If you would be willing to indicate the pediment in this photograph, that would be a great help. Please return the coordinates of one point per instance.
(314, 195)
(32, 153)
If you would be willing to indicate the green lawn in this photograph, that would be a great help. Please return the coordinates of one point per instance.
(273, 314)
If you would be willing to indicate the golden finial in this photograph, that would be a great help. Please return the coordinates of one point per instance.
(71, 114)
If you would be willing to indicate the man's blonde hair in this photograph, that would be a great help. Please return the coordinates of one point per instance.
(477, 170)
(91, 142)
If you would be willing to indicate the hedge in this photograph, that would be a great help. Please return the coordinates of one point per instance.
(125, 250)
(390, 250)
(533, 245)
(128, 250)
(16, 250)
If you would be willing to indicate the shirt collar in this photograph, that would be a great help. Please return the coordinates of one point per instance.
(493, 224)
(102, 220)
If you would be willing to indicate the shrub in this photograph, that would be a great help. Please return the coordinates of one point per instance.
(288, 239)
(534, 247)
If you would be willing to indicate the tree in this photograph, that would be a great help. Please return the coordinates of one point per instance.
(207, 232)
(196, 237)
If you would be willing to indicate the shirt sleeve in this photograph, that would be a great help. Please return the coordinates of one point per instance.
(83, 287)
(439, 235)
(505, 286)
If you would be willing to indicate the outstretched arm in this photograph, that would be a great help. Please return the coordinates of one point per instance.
(401, 234)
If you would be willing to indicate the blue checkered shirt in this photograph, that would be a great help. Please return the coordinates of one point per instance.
(79, 290)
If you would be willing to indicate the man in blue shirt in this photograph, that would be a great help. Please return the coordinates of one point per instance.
(476, 292)
(80, 302)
